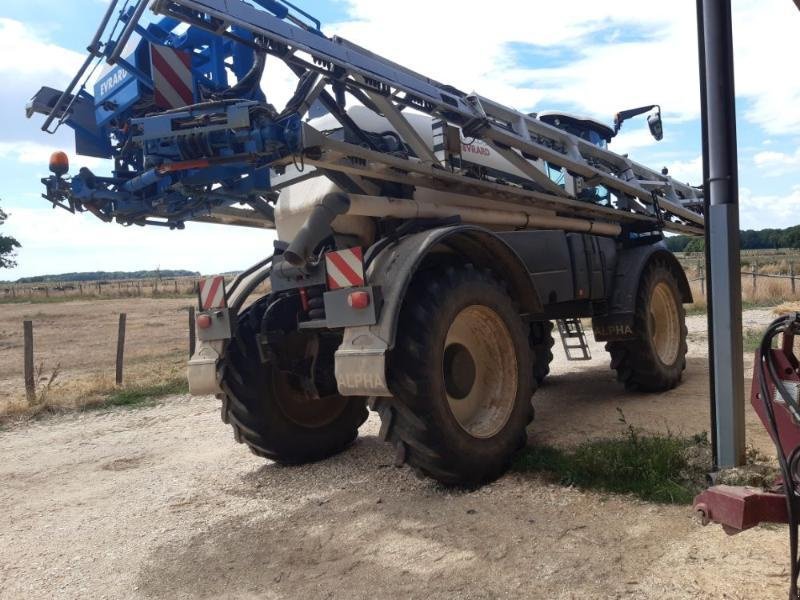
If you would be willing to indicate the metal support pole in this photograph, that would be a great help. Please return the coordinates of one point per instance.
(722, 230)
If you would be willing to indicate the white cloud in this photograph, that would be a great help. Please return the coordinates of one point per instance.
(23, 53)
(766, 40)
(770, 211)
(54, 241)
(687, 171)
(33, 153)
(472, 50)
(775, 164)
(629, 140)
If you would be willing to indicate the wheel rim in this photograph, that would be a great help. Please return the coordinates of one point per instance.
(480, 371)
(297, 403)
(664, 324)
(302, 409)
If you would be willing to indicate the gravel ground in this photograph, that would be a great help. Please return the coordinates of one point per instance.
(160, 503)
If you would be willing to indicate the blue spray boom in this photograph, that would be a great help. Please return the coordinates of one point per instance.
(182, 114)
(163, 81)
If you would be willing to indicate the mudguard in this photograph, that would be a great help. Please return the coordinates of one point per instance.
(361, 359)
(618, 324)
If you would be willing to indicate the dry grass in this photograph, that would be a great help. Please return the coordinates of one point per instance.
(91, 390)
(787, 308)
(75, 346)
(765, 291)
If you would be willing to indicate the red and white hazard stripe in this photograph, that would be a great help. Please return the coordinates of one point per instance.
(173, 82)
(212, 293)
(345, 269)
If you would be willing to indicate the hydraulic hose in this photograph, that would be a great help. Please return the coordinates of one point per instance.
(250, 81)
(767, 371)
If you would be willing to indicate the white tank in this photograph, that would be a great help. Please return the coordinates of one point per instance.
(298, 200)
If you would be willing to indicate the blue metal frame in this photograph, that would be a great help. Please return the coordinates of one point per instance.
(116, 119)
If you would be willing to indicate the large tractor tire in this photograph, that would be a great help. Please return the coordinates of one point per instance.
(462, 380)
(542, 342)
(272, 411)
(656, 359)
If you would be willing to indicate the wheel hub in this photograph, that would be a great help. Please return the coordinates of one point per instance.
(459, 371)
(665, 327)
(480, 371)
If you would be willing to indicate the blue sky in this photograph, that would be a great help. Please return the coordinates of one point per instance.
(577, 55)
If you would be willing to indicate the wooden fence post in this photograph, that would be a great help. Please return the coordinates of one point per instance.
(755, 277)
(30, 375)
(192, 331)
(121, 346)
(794, 281)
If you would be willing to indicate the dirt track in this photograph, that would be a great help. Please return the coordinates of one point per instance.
(159, 503)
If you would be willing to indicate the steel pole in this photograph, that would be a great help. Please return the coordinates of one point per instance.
(706, 275)
(722, 229)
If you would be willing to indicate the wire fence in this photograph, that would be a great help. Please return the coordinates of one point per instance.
(780, 286)
(138, 288)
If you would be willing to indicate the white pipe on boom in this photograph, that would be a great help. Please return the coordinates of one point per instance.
(519, 218)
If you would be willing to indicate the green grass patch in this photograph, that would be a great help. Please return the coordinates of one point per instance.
(702, 308)
(751, 339)
(656, 468)
(146, 395)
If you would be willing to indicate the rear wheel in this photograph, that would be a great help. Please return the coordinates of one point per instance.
(461, 375)
(656, 359)
(290, 412)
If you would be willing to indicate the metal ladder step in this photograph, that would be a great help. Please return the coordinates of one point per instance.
(571, 331)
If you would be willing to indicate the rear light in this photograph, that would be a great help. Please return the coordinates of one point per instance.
(359, 300)
(204, 322)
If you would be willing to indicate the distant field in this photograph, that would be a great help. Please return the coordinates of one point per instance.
(73, 290)
(78, 339)
(769, 277)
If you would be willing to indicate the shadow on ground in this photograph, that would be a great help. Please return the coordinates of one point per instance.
(356, 527)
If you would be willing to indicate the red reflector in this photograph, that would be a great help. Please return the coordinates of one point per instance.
(358, 300)
(203, 322)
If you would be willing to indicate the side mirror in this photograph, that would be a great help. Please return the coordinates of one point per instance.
(653, 120)
(656, 125)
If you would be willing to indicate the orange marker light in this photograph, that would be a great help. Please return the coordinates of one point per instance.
(204, 322)
(359, 300)
(59, 163)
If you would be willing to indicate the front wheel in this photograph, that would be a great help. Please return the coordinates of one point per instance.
(461, 374)
(656, 359)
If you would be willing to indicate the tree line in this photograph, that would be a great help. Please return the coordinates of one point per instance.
(766, 239)
(106, 276)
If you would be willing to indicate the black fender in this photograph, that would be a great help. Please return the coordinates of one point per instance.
(361, 360)
(617, 324)
(394, 268)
